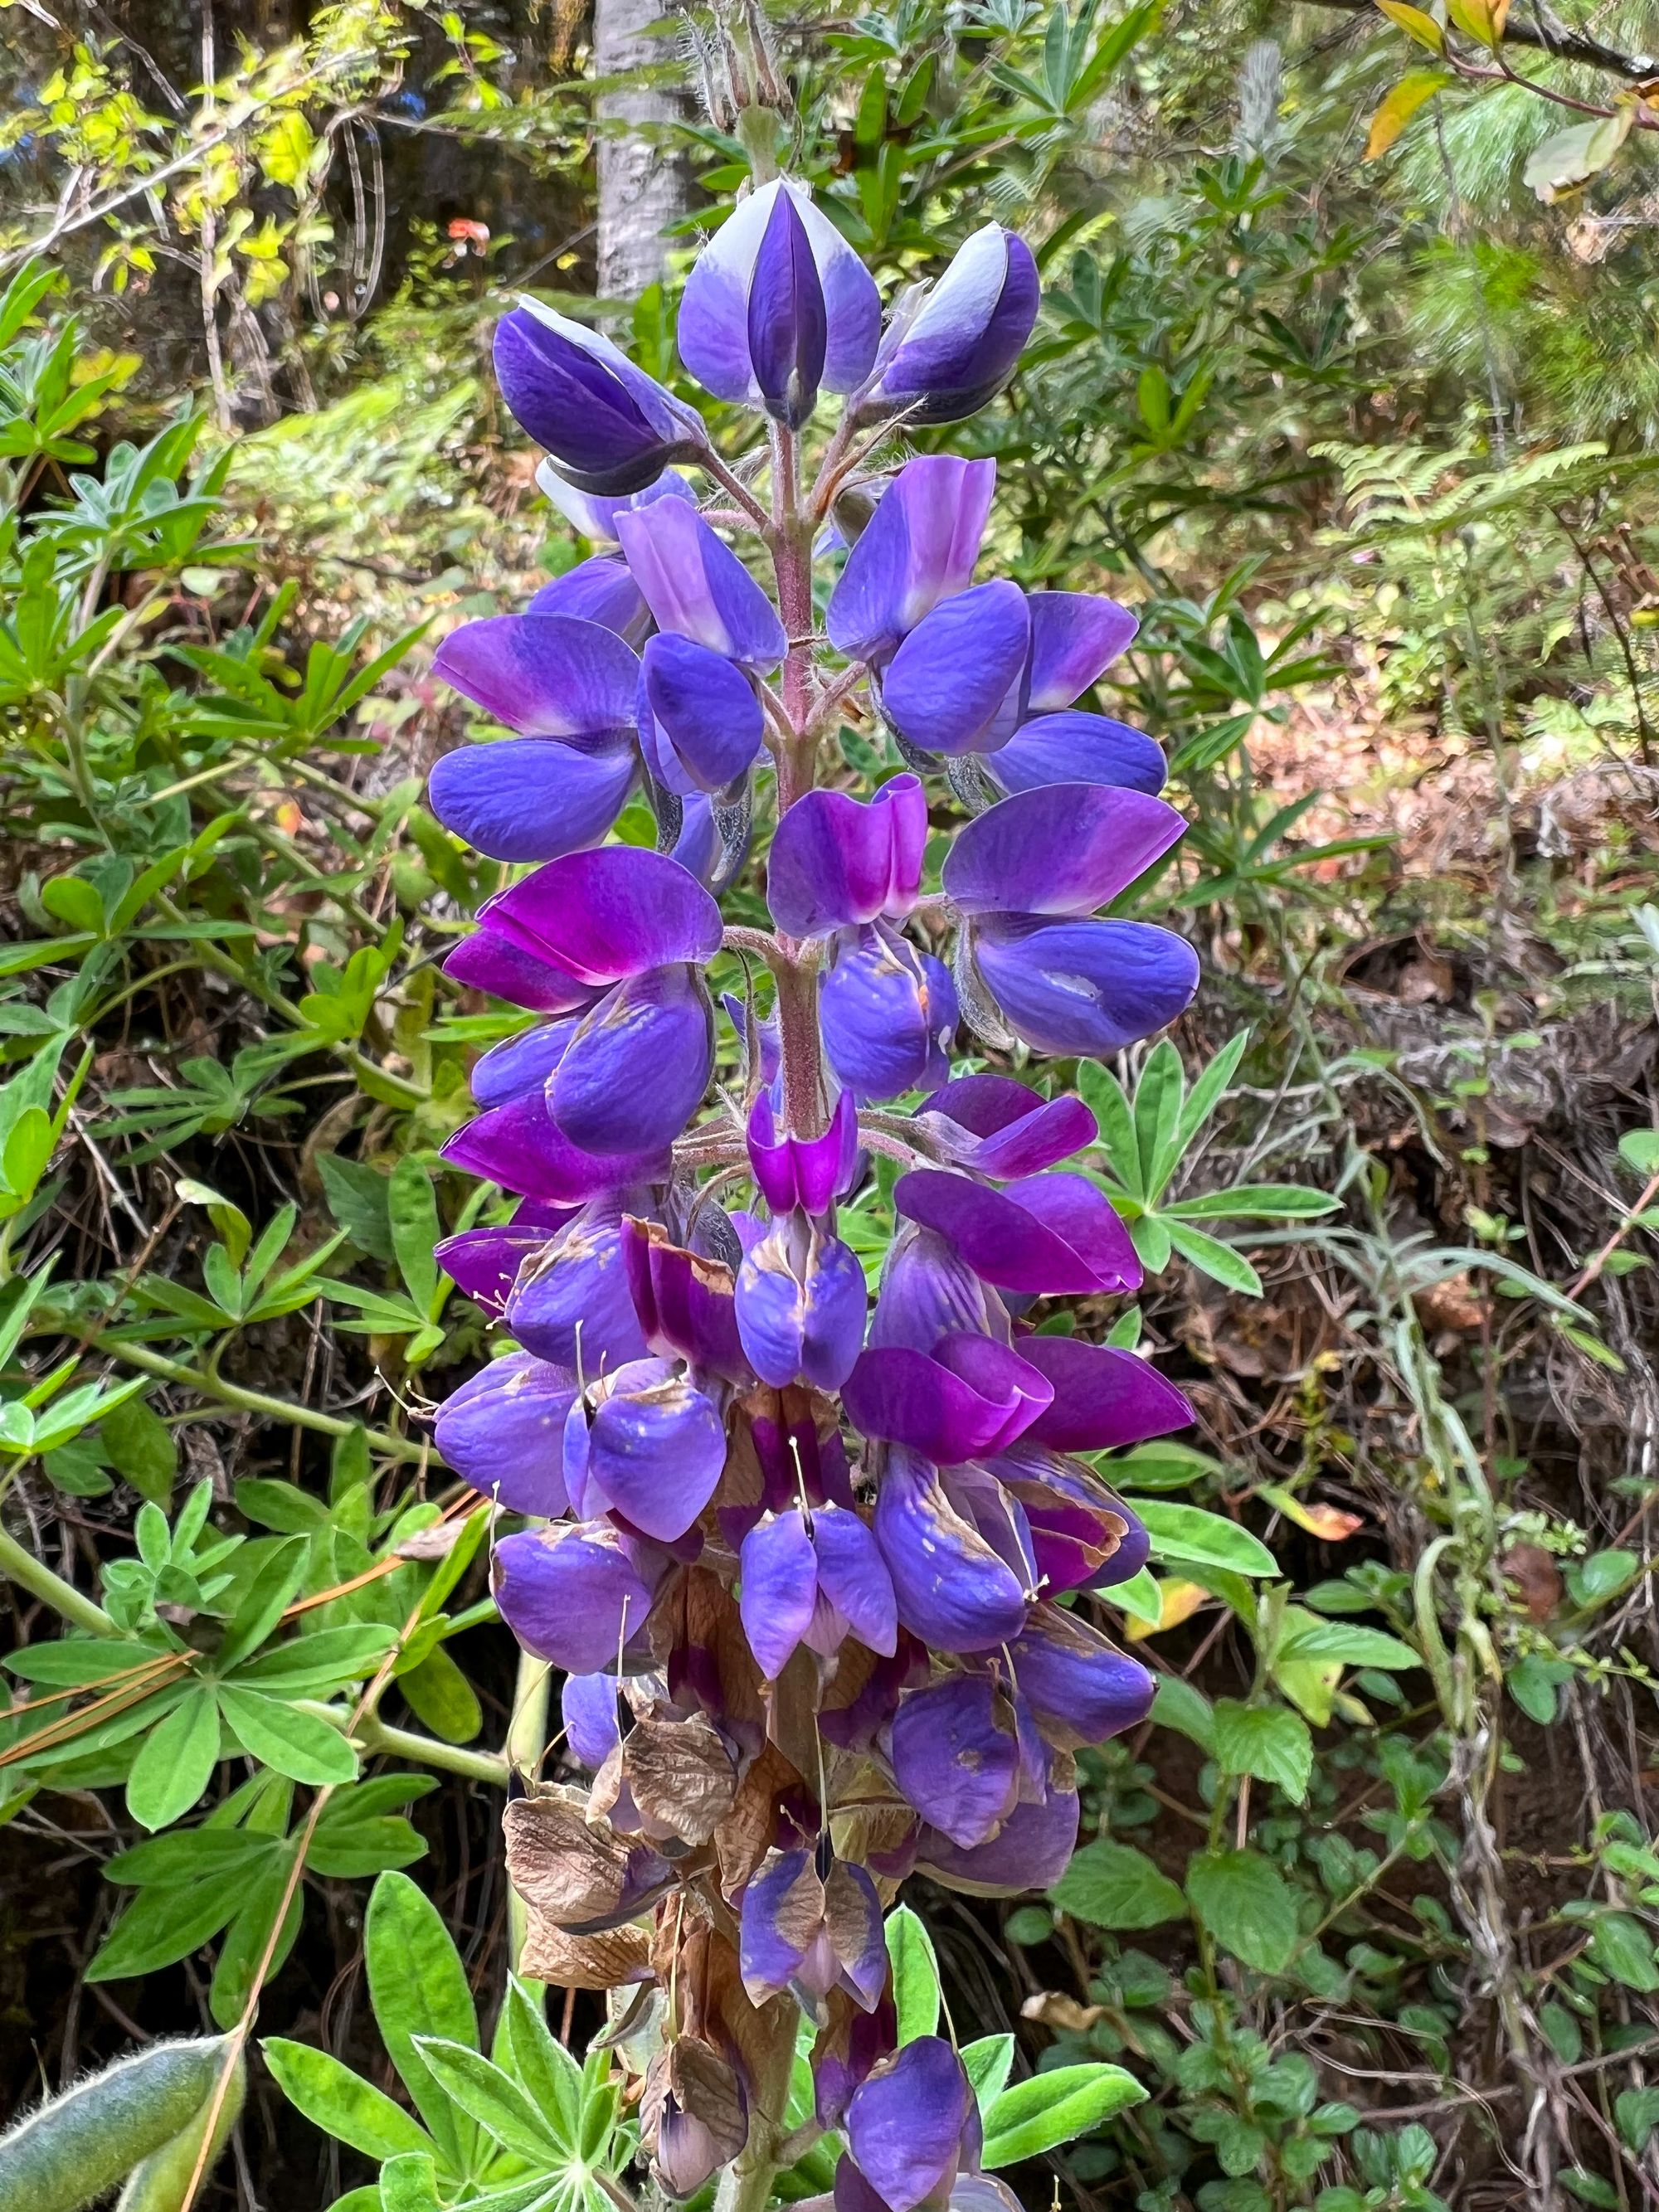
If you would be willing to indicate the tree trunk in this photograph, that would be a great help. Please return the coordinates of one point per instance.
(643, 179)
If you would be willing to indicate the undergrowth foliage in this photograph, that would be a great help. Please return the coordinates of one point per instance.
(1362, 1909)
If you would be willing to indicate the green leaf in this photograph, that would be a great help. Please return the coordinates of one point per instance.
(263, 1603)
(140, 1445)
(358, 1197)
(1210, 1088)
(1159, 1096)
(1138, 1597)
(1266, 1742)
(1567, 159)
(299, 1745)
(1639, 1150)
(412, 1207)
(176, 1761)
(443, 1698)
(1187, 1535)
(1221, 1262)
(1350, 1646)
(163, 1925)
(408, 2183)
(493, 2098)
(987, 2063)
(542, 2065)
(1622, 1947)
(1258, 1202)
(1113, 1885)
(1176, 1704)
(1104, 1095)
(1054, 2108)
(915, 1975)
(1247, 1905)
(419, 1987)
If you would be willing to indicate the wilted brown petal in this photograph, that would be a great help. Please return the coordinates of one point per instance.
(584, 1962)
(579, 1872)
(681, 1774)
(745, 1837)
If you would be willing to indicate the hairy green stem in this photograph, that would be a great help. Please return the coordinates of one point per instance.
(526, 1740)
(375, 1735)
(255, 1401)
(21, 1567)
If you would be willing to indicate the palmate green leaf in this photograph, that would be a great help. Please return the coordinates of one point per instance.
(1247, 1905)
(443, 1698)
(1209, 1089)
(493, 2098)
(419, 1987)
(176, 1762)
(299, 1745)
(1113, 1885)
(1159, 1096)
(342, 2103)
(164, 1924)
(1221, 1262)
(1258, 1202)
(549, 2076)
(408, 2183)
(915, 1974)
(247, 1941)
(317, 1660)
(1104, 1095)
(1054, 2108)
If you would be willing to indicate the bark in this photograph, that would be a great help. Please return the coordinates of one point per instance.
(642, 178)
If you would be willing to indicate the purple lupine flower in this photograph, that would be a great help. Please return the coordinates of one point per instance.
(777, 304)
(569, 688)
(578, 1593)
(810, 1173)
(837, 862)
(645, 1444)
(918, 548)
(911, 2126)
(696, 585)
(1068, 983)
(1041, 1235)
(963, 344)
(700, 720)
(809, 1928)
(888, 1012)
(814, 1578)
(801, 1304)
(612, 428)
(732, 1597)
(503, 1431)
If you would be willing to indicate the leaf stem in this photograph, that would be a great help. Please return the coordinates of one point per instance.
(255, 1401)
(21, 1567)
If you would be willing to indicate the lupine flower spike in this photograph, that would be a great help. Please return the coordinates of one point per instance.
(809, 1560)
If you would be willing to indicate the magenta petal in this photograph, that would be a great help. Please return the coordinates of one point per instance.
(769, 1958)
(485, 1263)
(1045, 1235)
(521, 1148)
(1030, 1850)
(656, 1447)
(906, 2124)
(546, 676)
(520, 1065)
(609, 913)
(956, 684)
(485, 962)
(684, 1302)
(952, 1589)
(1064, 850)
(635, 1070)
(1083, 987)
(577, 1593)
(502, 1430)
(779, 1584)
(1103, 1397)
(1076, 748)
(800, 1305)
(998, 1127)
(837, 861)
(612, 428)
(969, 1397)
(918, 548)
(696, 585)
(953, 1760)
(1083, 1535)
(1075, 637)
(808, 1173)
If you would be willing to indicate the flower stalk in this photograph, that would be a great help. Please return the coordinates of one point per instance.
(798, 1562)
